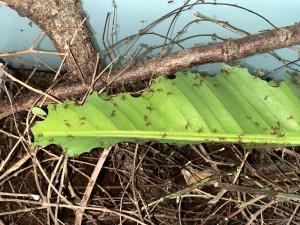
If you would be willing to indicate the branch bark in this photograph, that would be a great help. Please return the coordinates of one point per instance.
(63, 22)
(223, 52)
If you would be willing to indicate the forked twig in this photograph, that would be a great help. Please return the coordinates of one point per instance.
(29, 87)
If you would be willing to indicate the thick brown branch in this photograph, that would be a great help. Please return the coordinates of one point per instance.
(222, 52)
(62, 21)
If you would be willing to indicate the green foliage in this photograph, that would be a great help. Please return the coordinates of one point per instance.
(231, 107)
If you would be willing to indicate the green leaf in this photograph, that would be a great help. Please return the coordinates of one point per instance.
(38, 111)
(231, 107)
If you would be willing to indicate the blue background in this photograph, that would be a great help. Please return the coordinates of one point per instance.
(133, 15)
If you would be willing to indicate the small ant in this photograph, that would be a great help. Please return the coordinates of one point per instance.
(248, 117)
(123, 97)
(113, 114)
(82, 118)
(169, 93)
(149, 108)
(55, 108)
(51, 140)
(68, 124)
(145, 117)
(70, 137)
(214, 131)
(280, 135)
(66, 106)
(200, 130)
(187, 125)
(216, 85)
(159, 90)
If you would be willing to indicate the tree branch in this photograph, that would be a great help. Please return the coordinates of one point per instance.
(222, 52)
(63, 22)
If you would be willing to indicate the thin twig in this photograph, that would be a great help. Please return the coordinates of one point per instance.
(262, 208)
(75, 207)
(293, 215)
(133, 183)
(90, 185)
(29, 87)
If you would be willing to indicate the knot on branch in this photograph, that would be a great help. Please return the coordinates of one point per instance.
(285, 36)
(230, 51)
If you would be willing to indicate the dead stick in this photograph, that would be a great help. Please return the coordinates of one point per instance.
(90, 186)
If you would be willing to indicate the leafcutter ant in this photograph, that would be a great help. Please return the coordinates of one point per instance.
(169, 93)
(159, 90)
(113, 114)
(145, 117)
(149, 108)
(200, 130)
(214, 131)
(70, 137)
(187, 125)
(40, 135)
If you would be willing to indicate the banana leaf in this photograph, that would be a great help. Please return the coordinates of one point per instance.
(233, 106)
